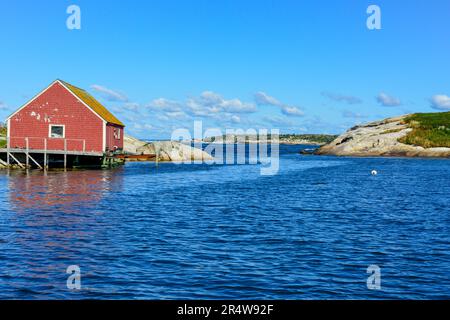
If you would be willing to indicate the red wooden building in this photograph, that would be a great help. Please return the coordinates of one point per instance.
(65, 118)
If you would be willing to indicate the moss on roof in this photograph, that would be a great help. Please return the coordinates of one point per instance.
(98, 108)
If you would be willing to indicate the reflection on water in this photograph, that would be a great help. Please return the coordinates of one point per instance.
(51, 222)
(68, 191)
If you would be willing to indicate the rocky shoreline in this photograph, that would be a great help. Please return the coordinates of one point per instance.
(164, 150)
(380, 138)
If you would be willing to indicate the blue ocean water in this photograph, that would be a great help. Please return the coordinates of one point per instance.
(225, 232)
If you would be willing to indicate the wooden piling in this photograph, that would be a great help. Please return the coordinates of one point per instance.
(27, 153)
(65, 154)
(45, 154)
(18, 162)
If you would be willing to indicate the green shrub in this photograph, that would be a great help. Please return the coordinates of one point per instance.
(429, 130)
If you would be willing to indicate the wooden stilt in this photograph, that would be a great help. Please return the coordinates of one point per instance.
(45, 155)
(27, 153)
(8, 142)
(39, 166)
(65, 154)
(18, 162)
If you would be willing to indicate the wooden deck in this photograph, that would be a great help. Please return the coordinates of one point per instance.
(13, 157)
(60, 152)
(25, 154)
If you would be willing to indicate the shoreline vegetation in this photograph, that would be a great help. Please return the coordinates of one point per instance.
(293, 139)
(429, 130)
(411, 135)
(3, 133)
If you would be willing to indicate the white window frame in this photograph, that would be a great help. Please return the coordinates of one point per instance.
(116, 133)
(56, 125)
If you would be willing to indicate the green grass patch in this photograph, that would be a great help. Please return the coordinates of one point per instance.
(429, 130)
(392, 131)
(3, 132)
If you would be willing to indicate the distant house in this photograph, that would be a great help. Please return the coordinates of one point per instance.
(64, 117)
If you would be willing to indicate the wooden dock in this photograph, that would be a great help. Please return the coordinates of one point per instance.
(60, 152)
(28, 157)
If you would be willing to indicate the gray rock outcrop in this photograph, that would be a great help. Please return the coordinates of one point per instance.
(165, 150)
(379, 138)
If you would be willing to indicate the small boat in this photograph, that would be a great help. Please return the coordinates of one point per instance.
(136, 157)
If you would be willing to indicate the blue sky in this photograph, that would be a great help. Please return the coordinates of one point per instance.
(299, 66)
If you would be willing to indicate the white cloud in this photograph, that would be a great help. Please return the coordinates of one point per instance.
(180, 115)
(237, 106)
(440, 102)
(109, 94)
(162, 117)
(132, 106)
(235, 119)
(217, 103)
(262, 98)
(387, 100)
(196, 108)
(130, 118)
(210, 98)
(3, 106)
(145, 126)
(125, 108)
(164, 105)
(292, 111)
(341, 98)
(210, 104)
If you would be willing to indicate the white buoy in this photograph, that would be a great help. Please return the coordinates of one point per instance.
(374, 172)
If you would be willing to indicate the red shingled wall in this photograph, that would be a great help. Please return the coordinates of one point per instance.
(112, 141)
(57, 105)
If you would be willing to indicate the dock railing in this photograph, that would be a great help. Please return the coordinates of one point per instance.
(44, 146)
(29, 144)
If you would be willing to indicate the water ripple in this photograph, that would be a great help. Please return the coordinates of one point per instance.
(226, 232)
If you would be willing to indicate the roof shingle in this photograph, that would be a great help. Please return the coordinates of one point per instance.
(88, 99)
